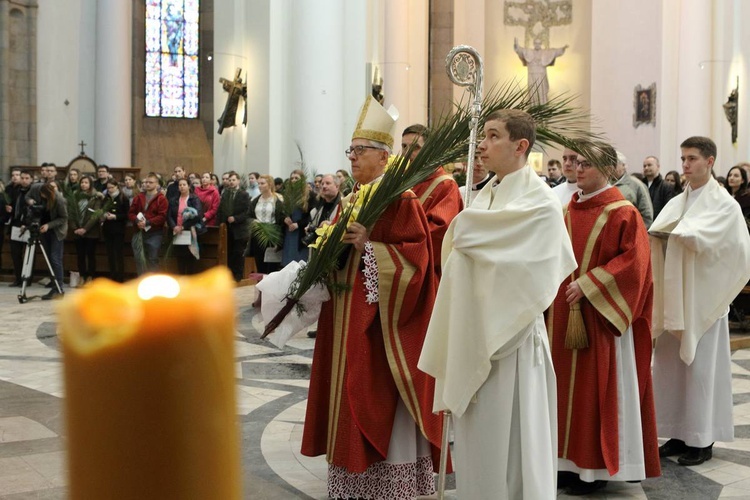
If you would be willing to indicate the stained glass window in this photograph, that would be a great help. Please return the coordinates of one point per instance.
(172, 58)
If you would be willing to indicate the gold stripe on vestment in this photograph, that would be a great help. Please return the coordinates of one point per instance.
(435, 183)
(394, 350)
(342, 313)
(597, 298)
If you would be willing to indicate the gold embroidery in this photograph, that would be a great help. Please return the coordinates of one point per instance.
(394, 352)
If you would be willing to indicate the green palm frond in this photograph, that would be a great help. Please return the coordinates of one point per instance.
(295, 194)
(266, 234)
(77, 202)
(139, 252)
(558, 122)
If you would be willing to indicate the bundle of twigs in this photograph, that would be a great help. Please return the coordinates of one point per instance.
(558, 123)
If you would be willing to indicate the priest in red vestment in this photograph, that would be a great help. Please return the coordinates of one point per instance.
(439, 194)
(369, 407)
(606, 420)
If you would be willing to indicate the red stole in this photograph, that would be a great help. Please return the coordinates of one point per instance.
(611, 247)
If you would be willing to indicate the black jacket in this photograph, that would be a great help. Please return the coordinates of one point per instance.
(120, 207)
(239, 208)
(661, 193)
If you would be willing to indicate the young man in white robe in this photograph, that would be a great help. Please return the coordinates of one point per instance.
(564, 191)
(700, 251)
(503, 259)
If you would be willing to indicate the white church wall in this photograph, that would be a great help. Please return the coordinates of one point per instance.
(731, 46)
(571, 73)
(232, 38)
(404, 61)
(65, 72)
(626, 52)
(306, 80)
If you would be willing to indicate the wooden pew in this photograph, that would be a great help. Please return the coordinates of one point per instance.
(213, 251)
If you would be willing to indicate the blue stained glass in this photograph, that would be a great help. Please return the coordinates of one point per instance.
(172, 62)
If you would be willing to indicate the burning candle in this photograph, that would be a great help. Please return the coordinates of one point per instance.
(150, 392)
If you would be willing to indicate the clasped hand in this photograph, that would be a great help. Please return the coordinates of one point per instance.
(357, 235)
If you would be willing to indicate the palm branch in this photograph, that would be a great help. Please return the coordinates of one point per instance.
(266, 234)
(139, 252)
(294, 194)
(558, 122)
(77, 202)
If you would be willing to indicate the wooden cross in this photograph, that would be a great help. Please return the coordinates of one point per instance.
(537, 16)
(82, 144)
(236, 89)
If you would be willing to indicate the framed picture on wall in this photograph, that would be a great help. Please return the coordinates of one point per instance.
(644, 105)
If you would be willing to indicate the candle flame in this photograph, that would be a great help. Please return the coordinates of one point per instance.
(158, 285)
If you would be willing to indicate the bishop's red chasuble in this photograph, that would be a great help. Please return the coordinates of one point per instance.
(441, 201)
(366, 354)
(612, 250)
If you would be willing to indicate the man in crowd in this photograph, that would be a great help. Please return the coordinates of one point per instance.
(659, 191)
(253, 191)
(325, 209)
(601, 340)
(234, 210)
(224, 182)
(554, 173)
(173, 190)
(438, 194)
(370, 408)
(148, 212)
(18, 213)
(486, 344)
(633, 190)
(700, 250)
(102, 174)
(480, 177)
(565, 190)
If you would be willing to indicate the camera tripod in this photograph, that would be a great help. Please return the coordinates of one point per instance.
(27, 270)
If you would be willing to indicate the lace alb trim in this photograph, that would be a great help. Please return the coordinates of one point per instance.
(371, 274)
(384, 481)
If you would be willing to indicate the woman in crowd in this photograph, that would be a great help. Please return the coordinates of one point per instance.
(296, 221)
(266, 208)
(113, 228)
(345, 182)
(737, 185)
(673, 179)
(216, 182)
(179, 223)
(210, 198)
(71, 180)
(130, 187)
(53, 229)
(85, 225)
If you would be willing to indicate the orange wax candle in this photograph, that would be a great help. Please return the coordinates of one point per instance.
(150, 391)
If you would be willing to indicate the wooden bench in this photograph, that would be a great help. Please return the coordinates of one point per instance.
(213, 251)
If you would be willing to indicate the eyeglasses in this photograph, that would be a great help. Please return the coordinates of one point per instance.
(359, 150)
(583, 164)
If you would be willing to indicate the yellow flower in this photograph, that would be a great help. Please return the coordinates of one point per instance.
(358, 199)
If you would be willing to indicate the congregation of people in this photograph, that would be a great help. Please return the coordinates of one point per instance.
(567, 321)
(168, 217)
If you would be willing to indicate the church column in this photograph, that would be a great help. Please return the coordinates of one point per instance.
(113, 135)
(317, 88)
(404, 70)
(694, 83)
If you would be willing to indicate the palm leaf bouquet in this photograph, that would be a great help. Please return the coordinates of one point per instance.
(558, 122)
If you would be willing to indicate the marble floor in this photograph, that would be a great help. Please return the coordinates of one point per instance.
(272, 391)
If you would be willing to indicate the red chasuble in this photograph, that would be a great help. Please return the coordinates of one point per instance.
(441, 201)
(612, 250)
(366, 355)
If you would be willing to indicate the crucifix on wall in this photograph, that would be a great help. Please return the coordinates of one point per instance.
(537, 17)
(236, 89)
